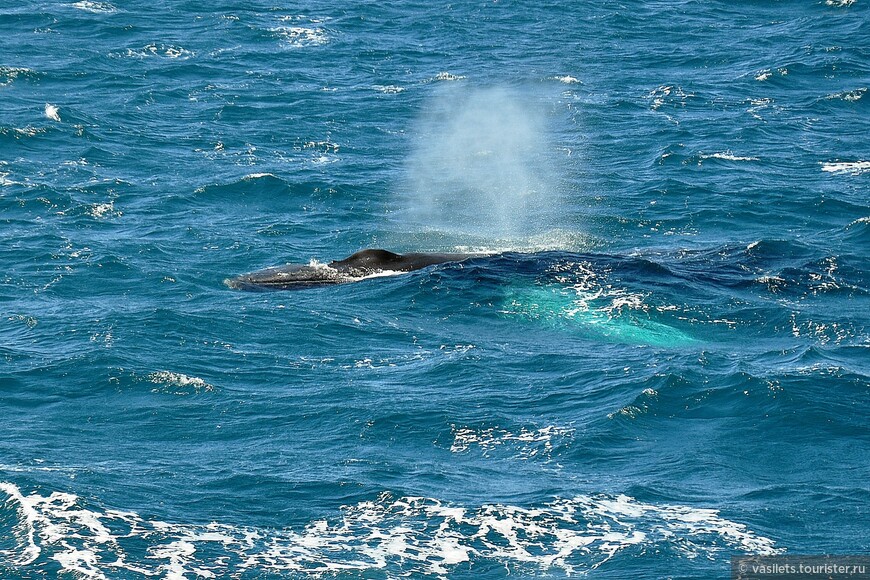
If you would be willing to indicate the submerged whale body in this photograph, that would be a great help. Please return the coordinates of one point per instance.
(360, 265)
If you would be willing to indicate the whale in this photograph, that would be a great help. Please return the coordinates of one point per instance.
(554, 303)
(363, 264)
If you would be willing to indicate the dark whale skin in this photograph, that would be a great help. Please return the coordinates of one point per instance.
(351, 269)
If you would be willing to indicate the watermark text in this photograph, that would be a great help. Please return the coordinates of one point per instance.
(800, 567)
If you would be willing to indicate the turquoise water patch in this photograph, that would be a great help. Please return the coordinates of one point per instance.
(619, 317)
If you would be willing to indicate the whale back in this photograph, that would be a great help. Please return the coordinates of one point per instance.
(373, 259)
(352, 268)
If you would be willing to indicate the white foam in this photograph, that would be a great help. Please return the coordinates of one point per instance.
(29, 131)
(582, 300)
(301, 36)
(155, 50)
(95, 7)
(389, 89)
(569, 80)
(100, 210)
(324, 146)
(24, 530)
(849, 96)
(847, 167)
(526, 443)
(348, 278)
(446, 76)
(304, 18)
(839, 3)
(51, 112)
(670, 94)
(382, 274)
(728, 156)
(762, 102)
(176, 52)
(178, 383)
(403, 536)
(5, 181)
(10, 73)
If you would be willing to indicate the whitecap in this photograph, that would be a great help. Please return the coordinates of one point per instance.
(323, 146)
(762, 102)
(728, 156)
(80, 162)
(446, 76)
(156, 50)
(567, 79)
(176, 52)
(51, 112)
(847, 167)
(849, 96)
(389, 89)
(401, 536)
(95, 7)
(10, 73)
(100, 210)
(765, 74)
(178, 383)
(28, 131)
(525, 443)
(670, 94)
(5, 181)
(301, 36)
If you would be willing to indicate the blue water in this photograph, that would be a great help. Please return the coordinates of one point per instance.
(656, 358)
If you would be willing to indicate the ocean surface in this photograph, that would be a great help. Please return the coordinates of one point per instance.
(657, 356)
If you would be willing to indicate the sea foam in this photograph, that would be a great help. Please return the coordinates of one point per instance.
(402, 535)
(51, 112)
(847, 167)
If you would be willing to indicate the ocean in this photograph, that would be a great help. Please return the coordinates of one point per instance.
(656, 357)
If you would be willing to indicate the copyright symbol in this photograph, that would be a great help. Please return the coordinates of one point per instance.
(742, 568)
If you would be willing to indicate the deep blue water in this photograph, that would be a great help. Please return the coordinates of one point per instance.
(656, 359)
